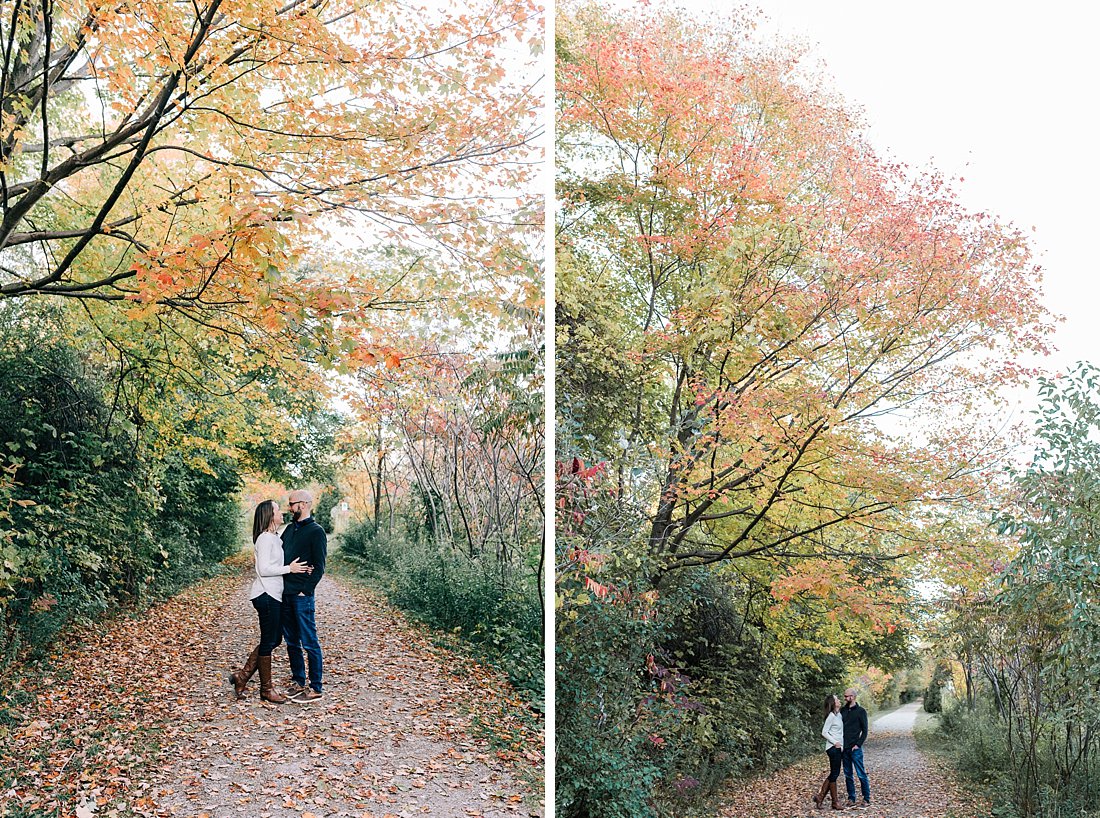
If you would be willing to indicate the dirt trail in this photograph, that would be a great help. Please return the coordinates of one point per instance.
(905, 783)
(387, 738)
(902, 720)
(393, 737)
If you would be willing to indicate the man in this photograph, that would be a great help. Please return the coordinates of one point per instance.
(855, 733)
(303, 539)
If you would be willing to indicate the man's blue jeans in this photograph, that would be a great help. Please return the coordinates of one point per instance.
(853, 760)
(300, 633)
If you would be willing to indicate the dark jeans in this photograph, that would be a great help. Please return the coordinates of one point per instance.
(853, 760)
(835, 754)
(300, 632)
(271, 632)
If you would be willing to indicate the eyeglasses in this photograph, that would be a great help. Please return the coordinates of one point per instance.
(298, 503)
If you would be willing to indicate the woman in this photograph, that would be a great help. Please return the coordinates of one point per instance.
(833, 732)
(266, 595)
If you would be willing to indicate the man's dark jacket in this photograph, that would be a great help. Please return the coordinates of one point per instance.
(855, 725)
(305, 540)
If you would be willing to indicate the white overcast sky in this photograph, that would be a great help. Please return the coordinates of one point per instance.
(1002, 94)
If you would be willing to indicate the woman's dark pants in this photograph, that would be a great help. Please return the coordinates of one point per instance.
(835, 755)
(271, 630)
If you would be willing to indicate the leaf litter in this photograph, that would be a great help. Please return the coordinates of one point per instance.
(141, 721)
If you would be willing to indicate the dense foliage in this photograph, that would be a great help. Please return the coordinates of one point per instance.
(662, 698)
(1024, 633)
(664, 692)
(91, 516)
(446, 490)
(493, 607)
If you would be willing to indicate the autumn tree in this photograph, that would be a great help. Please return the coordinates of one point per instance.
(778, 354)
(444, 459)
(446, 497)
(169, 153)
(1036, 639)
(224, 210)
(182, 172)
(781, 294)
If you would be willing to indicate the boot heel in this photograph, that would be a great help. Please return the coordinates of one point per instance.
(239, 678)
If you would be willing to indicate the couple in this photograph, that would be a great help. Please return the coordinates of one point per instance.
(845, 731)
(287, 572)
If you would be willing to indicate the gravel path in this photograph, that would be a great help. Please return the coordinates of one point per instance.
(899, 721)
(390, 738)
(905, 783)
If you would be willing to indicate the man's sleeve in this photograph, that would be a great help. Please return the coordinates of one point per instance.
(318, 555)
(862, 728)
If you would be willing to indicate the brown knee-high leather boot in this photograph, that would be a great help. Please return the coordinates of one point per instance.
(239, 678)
(833, 796)
(819, 799)
(267, 687)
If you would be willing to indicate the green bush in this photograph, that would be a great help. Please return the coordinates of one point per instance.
(661, 697)
(89, 521)
(977, 742)
(615, 709)
(764, 699)
(492, 605)
(78, 535)
(325, 504)
(933, 694)
(199, 523)
(371, 551)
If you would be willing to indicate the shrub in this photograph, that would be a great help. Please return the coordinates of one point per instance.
(79, 529)
(199, 523)
(491, 604)
(89, 520)
(661, 696)
(326, 502)
(372, 553)
(976, 737)
(933, 694)
(616, 707)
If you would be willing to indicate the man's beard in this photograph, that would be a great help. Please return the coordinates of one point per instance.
(296, 514)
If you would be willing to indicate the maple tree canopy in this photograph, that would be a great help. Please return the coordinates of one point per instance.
(770, 290)
(221, 191)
